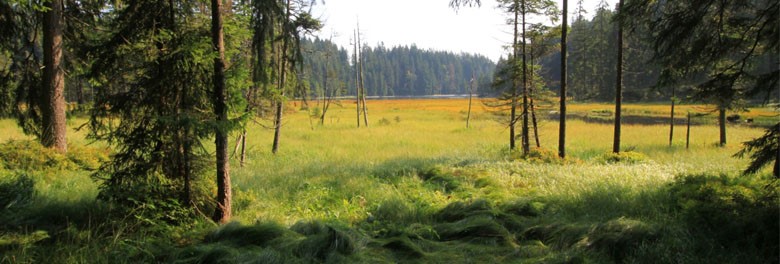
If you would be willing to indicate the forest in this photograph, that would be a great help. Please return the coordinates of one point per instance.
(222, 131)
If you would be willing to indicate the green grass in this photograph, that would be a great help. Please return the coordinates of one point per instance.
(420, 188)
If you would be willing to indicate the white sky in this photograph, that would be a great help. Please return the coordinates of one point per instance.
(430, 24)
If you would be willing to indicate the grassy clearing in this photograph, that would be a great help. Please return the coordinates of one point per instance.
(419, 187)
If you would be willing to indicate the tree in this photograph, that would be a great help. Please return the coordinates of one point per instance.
(223, 209)
(562, 119)
(53, 126)
(618, 84)
(292, 24)
(520, 9)
(152, 77)
(36, 73)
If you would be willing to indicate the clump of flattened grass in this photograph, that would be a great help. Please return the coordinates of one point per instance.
(238, 235)
(438, 177)
(630, 157)
(272, 243)
(16, 190)
(395, 211)
(324, 241)
(524, 207)
(475, 221)
(404, 246)
(618, 238)
(459, 210)
(558, 235)
(478, 228)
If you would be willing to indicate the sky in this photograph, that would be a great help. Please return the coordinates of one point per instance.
(429, 24)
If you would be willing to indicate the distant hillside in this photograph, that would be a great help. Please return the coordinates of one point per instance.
(396, 71)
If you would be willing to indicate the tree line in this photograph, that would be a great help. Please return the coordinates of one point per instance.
(395, 71)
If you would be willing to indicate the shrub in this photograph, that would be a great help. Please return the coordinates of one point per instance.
(29, 155)
(538, 155)
(629, 157)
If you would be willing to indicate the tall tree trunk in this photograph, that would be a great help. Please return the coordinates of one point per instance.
(362, 87)
(282, 79)
(564, 82)
(531, 99)
(52, 101)
(357, 80)
(471, 92)
(671, 121)
(223, 211)
(242, 156)
(618, 84)
(515, 81)
(325, 92)
(187, 170)
(688, 132)
(278, 120)
(535, 124)
(722, 125)
(526, 140)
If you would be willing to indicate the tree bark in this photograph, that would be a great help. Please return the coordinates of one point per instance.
(618, 84)
(52, 101)
(223, 211)
(564, 83)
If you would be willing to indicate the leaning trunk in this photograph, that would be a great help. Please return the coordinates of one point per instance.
(52, 103)
(222, 213)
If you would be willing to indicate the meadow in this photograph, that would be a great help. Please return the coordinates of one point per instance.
(417, 186)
